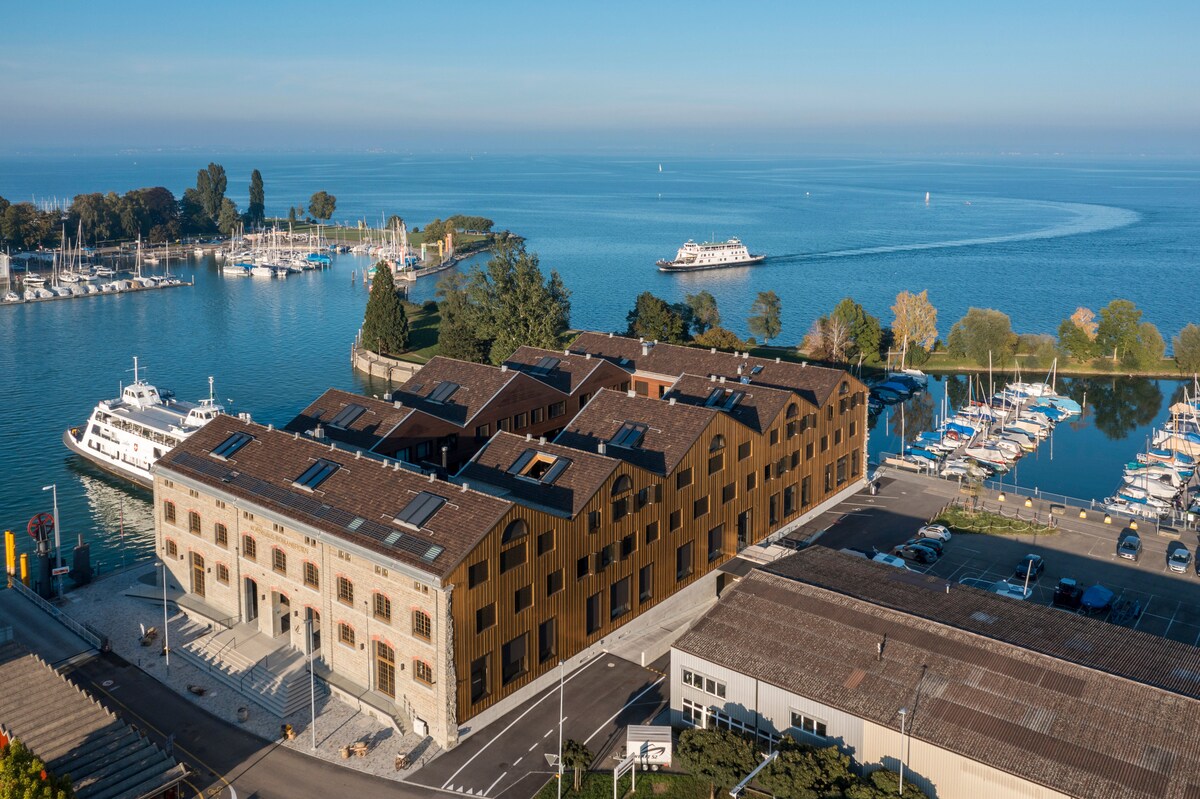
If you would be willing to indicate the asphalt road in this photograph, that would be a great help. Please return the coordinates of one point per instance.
(221, 755)
(508, 758)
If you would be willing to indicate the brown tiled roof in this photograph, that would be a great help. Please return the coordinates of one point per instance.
(572, 489)
(377, 419)
(568, 371)
(1078, 705)
(477, 384)
(814, 383)
(757, 408)
(357, 503)
(671, 429)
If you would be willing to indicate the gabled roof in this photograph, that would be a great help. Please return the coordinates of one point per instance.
(358, 501)
(670, 430)
(75, 736)
(363, 430)
(497, 467)
(557, 369)
(814, 383)
(1081, 706)
(454, 390)
(755, 406)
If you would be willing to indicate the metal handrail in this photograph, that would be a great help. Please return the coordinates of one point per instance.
(85, 632)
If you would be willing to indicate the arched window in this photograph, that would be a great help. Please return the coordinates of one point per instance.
(621, 485)
(792, 410)
(717, 444)
(515, 531)
(844, 388)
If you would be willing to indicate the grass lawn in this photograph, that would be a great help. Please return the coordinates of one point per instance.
(598, 785)
(422, 333)
(964, 520)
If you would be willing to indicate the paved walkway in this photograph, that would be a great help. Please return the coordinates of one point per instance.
(51, 641)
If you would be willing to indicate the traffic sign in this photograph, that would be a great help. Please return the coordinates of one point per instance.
(40, 526)
(59, 571)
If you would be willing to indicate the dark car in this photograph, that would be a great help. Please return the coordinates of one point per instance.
(1031, 566)
(929, 543)
(915, 553)
(1068, 594)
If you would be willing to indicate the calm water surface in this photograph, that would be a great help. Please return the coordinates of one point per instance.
(1034, 237)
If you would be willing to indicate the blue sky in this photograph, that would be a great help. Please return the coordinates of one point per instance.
(608, 77)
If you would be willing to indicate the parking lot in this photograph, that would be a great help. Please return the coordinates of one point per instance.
(1082, 549)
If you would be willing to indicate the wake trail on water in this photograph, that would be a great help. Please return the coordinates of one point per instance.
(1088, 219)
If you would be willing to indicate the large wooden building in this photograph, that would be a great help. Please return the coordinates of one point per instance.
(446, 596)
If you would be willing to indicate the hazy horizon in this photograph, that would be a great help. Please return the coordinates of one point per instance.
(654, 80)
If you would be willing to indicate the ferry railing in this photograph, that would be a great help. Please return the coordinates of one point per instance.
(84, 631)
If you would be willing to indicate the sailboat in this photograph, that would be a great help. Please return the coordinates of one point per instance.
(927, 198)
(660, 167)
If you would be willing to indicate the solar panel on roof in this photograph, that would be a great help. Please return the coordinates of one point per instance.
(229, 446)
(347, 415)
(417, 512)
(546, 364)
(316, 474)
(443, 391)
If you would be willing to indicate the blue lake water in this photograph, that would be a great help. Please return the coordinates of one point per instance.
(1034, 237)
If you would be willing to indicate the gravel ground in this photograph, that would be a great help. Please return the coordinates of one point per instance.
(103, 605)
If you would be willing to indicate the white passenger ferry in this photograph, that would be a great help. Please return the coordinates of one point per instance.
(693, 257)
(125, 436)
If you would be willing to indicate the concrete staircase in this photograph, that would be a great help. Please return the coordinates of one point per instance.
(278, 681)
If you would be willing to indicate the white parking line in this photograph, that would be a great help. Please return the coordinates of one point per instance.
(493, 785)
(517, 762)
(548, 733)
(534, 746)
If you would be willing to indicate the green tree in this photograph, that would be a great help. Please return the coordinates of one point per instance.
(883, 784)
(457, 332)
(704, 311)
(1118, 329)
(98, 214)
(394, 221)
(515, 304)
(806, 772)
(577, 757)
(1074, 341)
(1040, 348)
(229, 218)
(291, 214)
(721, 338)
(322, 205)
(915, 322)
(985, 336)
(210, 190)
(1186, 347)
(653, 319)
(385, 324)
(24, 776)
(764, 316)
(865, 332)
(192, 218)
(719, 757)
(256, 210)
(435, 231)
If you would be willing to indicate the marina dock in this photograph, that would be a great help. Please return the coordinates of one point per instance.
(130, 286)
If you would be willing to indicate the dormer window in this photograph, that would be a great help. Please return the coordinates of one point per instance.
(724, 399)
(540, 467)
(347, 416)
(546, 365)
(226, 449)
(630, 435)
(443, 392)
(420, 510)
(316, 474)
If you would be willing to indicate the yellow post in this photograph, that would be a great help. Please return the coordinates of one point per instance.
(25, 568)
(10, 552)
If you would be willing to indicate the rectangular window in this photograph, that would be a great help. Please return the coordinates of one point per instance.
(316, 474)
(806, 492)
(249, 548)
(683, 561)
(419, 510)
(619, 601)
(229, 446)
(483, 431)
(513, 659)
(683, 479)
(829, 478)
(485, 617)
(743, 450)
(522, 598)
(477, 573)
(193, 522)
(503, 425)
(645, 583)
(652, 532)
(773, 509)
(628, 545)
(809, 725)
(520, 421)
(547, 641)
(422, 672)
(789, 500)
(480, 682)
(620, 508)
(824, 443)
(556, 409)
(605, 557)
(854, 467)
(422, 625)
(593, 521)
(795, 459)
(554, 581)
(694, 713)
(593, 612)
(853, 428)
(700, 507)
(168, 511)
(716, 541)
(775, 436)
(751, 481)
(312, 577)
(728, 493)
(345, 591)
(346, 416)
(346, 634)
(545, 542)
(676, 520)
(222, 573)
(650, 495)
(829, 412)
(837, 436)
(641, 388)
(716, 463)
(279, 560)
(512, 557)
(382, 607)
(536, 415)
(841, 469)
(583, 567)
(808, 451)
(221, 534)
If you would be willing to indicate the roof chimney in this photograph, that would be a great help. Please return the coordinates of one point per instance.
(317, 432)
(270, 427)
(740, 368)
(541, 440)
(358, 454)
(503, 367)
(601, 447)
(296, 436)
(746, 354)
(465, 486)
(722, 378)
(396, 466)
(566, 353)
(397, 404)
(803, 364)
(610, 335)
(713, 350)
(776, 359)
(332, 446)
(587, 356)
(432, 477)
(671, 401)
(645, 348)
(529, 436)
(631, 393)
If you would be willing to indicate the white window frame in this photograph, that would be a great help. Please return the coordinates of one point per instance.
(805, 720)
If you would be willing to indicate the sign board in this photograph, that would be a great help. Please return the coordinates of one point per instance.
(628, 764)
(59, 571)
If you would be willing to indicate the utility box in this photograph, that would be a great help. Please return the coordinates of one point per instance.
(650, 744)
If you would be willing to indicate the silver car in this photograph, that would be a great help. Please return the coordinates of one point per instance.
(1179, 559)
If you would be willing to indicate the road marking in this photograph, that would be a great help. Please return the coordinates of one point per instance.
(532, 747)
(517, 762)
(513, 723)
(493, 785)
(548, 732)
(644, 691)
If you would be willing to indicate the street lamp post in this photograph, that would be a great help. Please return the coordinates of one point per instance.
(903, 714)
(53, 487)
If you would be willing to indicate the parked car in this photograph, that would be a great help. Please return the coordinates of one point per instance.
(1130, 546)
(1068, 594)
(1179, 558)
(929, 543)
(938, 531)
(890, 560)
(1031, 566)
(1011, 590)
(916, 554)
